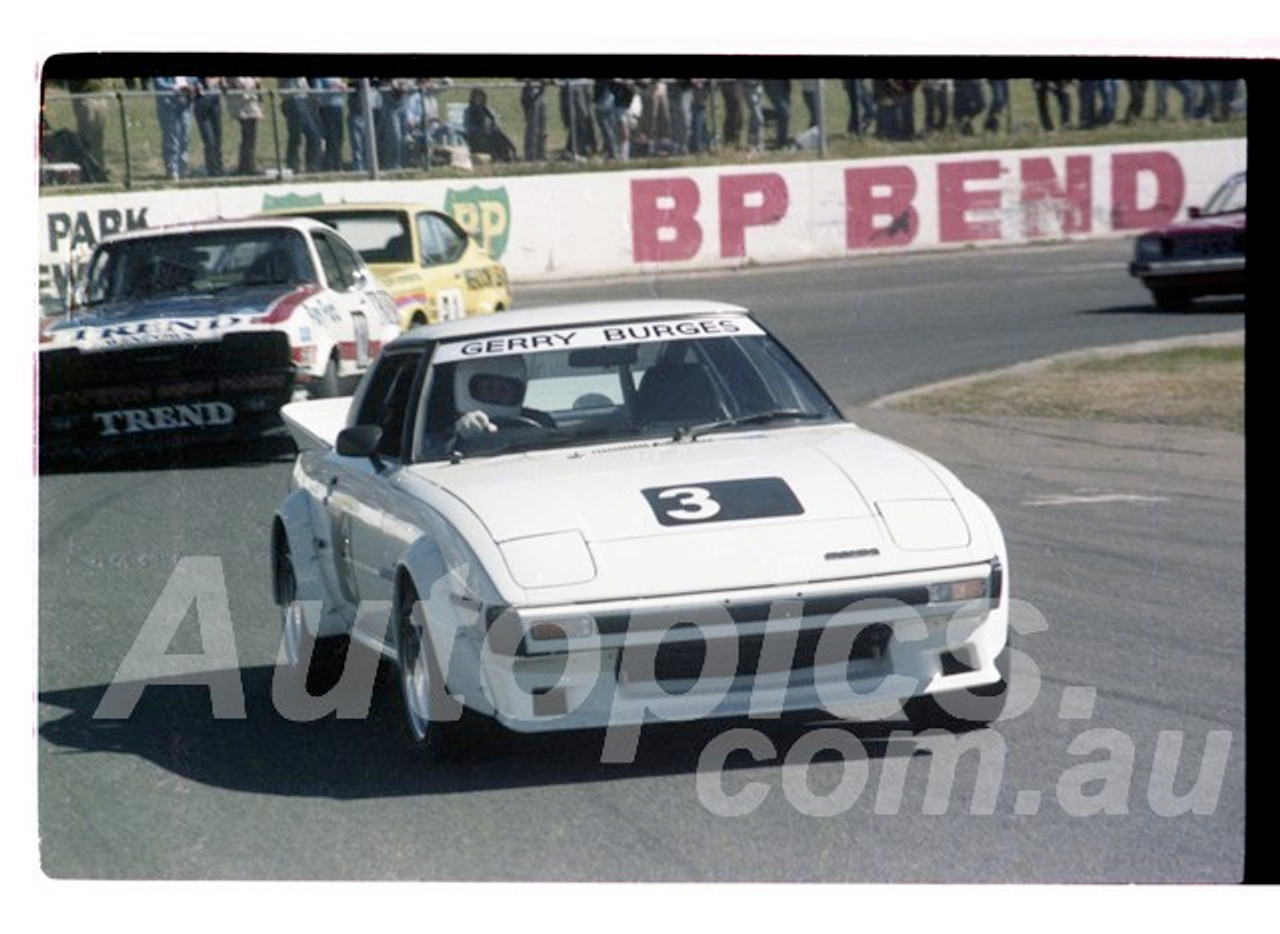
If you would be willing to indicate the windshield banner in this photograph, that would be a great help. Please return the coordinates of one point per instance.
(604, 335)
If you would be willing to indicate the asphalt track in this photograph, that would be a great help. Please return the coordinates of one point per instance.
(1125, 763)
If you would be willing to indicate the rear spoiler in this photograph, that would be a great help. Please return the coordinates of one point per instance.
(315, 423)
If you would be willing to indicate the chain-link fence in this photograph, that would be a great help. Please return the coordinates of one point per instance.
(210, 131)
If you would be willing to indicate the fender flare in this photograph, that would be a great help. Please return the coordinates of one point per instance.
(292, 528)
(423, 566)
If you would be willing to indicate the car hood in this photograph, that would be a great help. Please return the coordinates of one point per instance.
(201, 316)
(1197, 226)
(725, 511)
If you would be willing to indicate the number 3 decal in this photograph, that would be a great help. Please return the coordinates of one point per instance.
(695, 503)
(722, 501)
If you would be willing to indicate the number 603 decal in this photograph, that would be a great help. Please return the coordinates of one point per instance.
(722, 501)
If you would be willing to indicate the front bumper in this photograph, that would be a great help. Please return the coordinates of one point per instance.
(832, 647)
(156, 396)
(1221, 274)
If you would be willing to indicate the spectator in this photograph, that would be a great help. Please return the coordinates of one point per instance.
(245, 104)
(630, 113)
(753, 98)
(362, 123)
(731, 94)
(575, 114)
(206, 109)
(329, 107)
(90, 110)
(779, 93)
(440, 143)
(968, 105)
(809, 94)
(1230, 100)
(938, 93)
(533, 101)
(393, 119)
(66, 146)
(608, 119)
(173, 112)
(1057, 89)
(1097, 102)
(680, 92)
(699, 128)
(895, 108)
(304, 143)
(999, 103)
(1137, 99)
(654, 127)
(484, 135)
(1206, 99)
(1109, 88)
(1162, 97)
(862, 106)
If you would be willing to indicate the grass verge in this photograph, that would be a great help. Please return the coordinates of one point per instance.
(1201, 386)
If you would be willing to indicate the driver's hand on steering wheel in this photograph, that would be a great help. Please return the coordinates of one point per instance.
(474, 424)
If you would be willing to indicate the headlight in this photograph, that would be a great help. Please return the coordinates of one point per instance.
(925, 524)
(959, 591)
(1147, 248)
(554, 560)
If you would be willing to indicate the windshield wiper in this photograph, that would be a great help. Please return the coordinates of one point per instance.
(691, 432)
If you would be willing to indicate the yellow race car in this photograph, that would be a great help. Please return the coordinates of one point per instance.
(432, 267)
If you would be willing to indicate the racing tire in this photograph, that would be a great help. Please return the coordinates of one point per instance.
(327, 655)
(963, 710)
(433, 720)
(1172, 299)
(326, 387)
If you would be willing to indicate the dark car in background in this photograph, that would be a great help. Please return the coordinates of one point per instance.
(1203, 255)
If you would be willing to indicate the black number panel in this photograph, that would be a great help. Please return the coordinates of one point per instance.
(723, 501)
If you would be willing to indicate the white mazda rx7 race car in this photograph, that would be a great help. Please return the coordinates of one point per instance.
(595, 515)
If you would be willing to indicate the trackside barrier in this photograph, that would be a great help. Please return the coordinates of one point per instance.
(677, 219)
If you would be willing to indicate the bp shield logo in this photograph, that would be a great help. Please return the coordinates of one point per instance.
(485, 213)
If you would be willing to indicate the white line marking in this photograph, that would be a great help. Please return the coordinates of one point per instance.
(1069, 499)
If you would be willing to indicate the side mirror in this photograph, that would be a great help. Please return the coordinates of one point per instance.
(360, 441)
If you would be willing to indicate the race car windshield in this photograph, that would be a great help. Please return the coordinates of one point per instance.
(664, 390)
(196, 263)
(1230, 197)
(378, 236)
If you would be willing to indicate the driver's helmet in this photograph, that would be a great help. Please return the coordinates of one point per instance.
(493, 385)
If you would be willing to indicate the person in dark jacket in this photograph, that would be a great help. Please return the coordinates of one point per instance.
(484, 135)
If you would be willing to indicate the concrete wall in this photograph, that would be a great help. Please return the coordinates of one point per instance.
(617, 223)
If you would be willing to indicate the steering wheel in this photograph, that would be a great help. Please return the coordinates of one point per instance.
(517, 421)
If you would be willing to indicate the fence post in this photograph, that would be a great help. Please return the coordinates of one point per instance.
(124, 136)
(275, 133)
(370, 131)
(822, 118)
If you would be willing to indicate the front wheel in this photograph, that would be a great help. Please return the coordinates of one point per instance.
(430, 715)
(1167, 299)
(326, 387)
(326, 656)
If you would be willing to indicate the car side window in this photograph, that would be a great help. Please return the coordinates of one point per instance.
(428, 236)
(388, 399)
(453, 239)
(340, 263)
(442, 240)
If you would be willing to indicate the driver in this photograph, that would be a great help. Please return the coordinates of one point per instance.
(488, 392)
